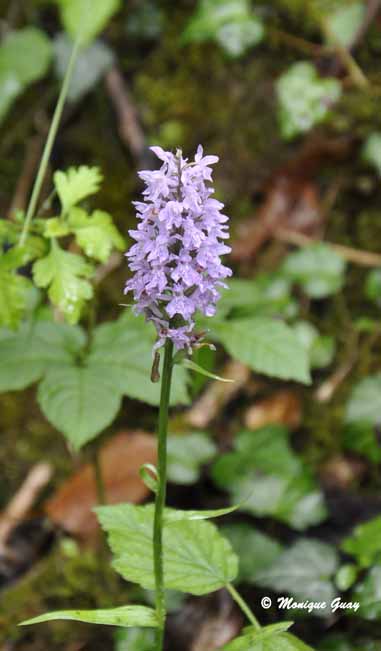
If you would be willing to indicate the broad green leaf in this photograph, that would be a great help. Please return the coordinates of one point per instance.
(268, 638)
(197, 559)
(318, 269)
(13, 297)
(267, 346)
(255, 550)
(76, 184)
(346, 575)
(78, 401)
(65, 274)
(231, 23)
(305, 571)
(364, 401)
(362, 438)
(266, 478)
(123, 350)
(36, 346)
(95, 234)
(345, 21)
(373, 281)
(134, 639)
(365, 542)
(368, 594)
(371, 151)
(86, 18)
(320, 348)
(186, 455)
(24, 58)
(304, 98)
(122, 616)
(91, 65)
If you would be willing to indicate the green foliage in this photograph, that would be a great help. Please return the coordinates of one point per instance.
(371, 151)
(123, 616)
(305, 571)
(186, 455)
(95, 234)
(76, 184)
(267, 346)
(365, 543)
(231, 23)
(368, 594)
(346, 575)
(255, 550)
(13, 296)
(78, 401)
(265, 476)
(24, 58)
(66, 276)
(318, 269)
(321, 348)
(345, 21)
(304, 98)
(364, 402)
(197, 559)
(86, 18)
(122, 351)
(373, 285)
(91, 65)
(134, 639)
(268, 638)
(37, 346)
(362, 438)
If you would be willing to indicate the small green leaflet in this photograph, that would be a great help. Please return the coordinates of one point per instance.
(186, 455)
(123, 350)
(317, 268)
(36, 346)
(122, 616)
(267, 346)
(269, 642)
(345, 21)
(371, 151)
(95, 234)
(134, 639)
(13, 297)
(65, 274)
(305, 570)
(25, 56)
(365, 543)
(197, 559)
(304, 98)
(188, 363)
(76, 184)
(78, 401)
(320, 348)
(86, 18)
(368, 594)
(175, 515)
(364, 401)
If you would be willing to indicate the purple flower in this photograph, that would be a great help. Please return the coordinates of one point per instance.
(176, 261)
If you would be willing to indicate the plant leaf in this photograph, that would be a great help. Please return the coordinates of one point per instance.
(267, 346)
(36, 346)
(65, 274)
(255, 550)
(305, 570)
(368, 594)
(123, 349)
(76, 184)
(317, 268)
(25, 56)
(186, 455)
(86, 18)
(96, 235)
(13, 298)
(78, 401)
(364, 401)
(188, 363)
(122, 616)
(365, 542)
(266, 642)
(197, 559)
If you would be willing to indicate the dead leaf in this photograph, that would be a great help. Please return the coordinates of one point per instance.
(120, 459)
(342, 471)
(283, 407)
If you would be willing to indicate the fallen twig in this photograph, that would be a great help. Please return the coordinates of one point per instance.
(129, 128)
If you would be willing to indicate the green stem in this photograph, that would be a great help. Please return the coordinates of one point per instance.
(49, 144)
(243, 606)
(161, 492)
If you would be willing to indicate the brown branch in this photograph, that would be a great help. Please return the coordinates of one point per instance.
(129, 128)
(24, 183)
(357, 256)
